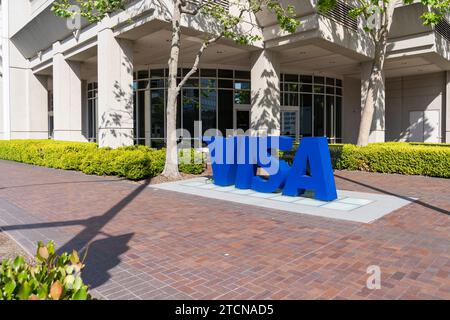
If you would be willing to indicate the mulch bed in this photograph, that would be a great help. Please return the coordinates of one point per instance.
(9, 249)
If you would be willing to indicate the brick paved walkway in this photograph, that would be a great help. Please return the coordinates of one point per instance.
(148, 243)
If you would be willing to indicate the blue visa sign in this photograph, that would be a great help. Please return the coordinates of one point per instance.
(235, 161)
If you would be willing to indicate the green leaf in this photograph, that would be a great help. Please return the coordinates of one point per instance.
(69, 269)
(68, 281)
(78, 283)
(80, 294)
(22, 276)
(18, 262)
(24, 291)
(9, 287)
(51, 247)
(74, 257)
(43, 291)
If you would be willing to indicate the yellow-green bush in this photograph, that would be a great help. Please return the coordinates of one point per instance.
(135, 162)
(390, 157)
(394, 157)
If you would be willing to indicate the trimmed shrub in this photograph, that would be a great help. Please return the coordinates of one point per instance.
(53, 277)
(430, 144)
(188, 158)
(394, 157)
(134, 162)
(390, 157)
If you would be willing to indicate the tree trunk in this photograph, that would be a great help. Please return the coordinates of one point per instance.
(370, 99)
(375, 77)
(171, 166)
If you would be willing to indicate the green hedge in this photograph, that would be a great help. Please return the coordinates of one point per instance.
(139, 162)
(391, 157)
(135, 162)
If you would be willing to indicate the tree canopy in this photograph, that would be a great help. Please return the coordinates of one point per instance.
(438, 10)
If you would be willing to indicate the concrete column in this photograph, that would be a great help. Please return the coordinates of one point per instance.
(28, 98)
(265, 95)
(25, 101)
(16, 115)
(24, 97)
(5, 126)
(67, 98)
(115, 90)
(447, 109)
(351, 109)
(37, 106)
(18, 103)
(2, 110)
(377, 131)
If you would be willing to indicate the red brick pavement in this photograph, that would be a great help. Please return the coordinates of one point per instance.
(149, 243)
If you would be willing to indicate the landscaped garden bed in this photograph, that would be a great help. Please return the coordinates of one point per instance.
(134, 162)
(392, 157)
(140, 162)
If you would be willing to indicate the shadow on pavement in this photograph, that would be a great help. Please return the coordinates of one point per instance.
(102, 254)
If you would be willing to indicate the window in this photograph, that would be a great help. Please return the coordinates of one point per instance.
(157, 114)
(92, 124)
(190, 110)
(141, 101)
(289, 123)
(241, 92)
(210, 96)
(319, 115)
(139, 119)
(50, 115)
(319, 101)
(306, 108)
(208, 102)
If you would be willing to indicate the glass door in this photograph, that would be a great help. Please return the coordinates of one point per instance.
(50, 114)
(241, 119)
(92, 111)
(289, 123)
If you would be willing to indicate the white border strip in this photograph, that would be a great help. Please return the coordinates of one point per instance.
(381, 205)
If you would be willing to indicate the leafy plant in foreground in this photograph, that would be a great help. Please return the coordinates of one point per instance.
(53, 277)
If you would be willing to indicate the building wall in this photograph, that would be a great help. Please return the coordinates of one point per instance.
(27, 95)
(405, 95)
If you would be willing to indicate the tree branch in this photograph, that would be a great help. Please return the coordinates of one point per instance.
(197, 60)
(202, 49)
(192, 12)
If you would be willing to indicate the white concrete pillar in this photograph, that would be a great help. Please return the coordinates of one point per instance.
(377, 131)
(16, 115)
(18, 103)
(5, 132)
(115, 90)
(37, 106)
(2, 111)
(447, 109)
(67, 98)
(265, 95)
(28, 98)
(25, 100)
(24, 97)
